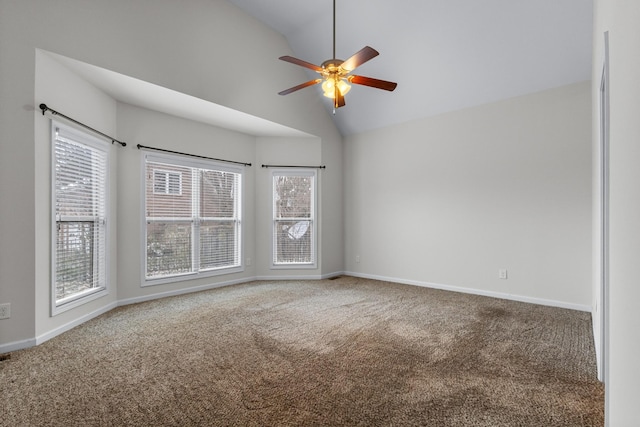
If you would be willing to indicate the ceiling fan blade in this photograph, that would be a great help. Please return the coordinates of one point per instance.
(301, 63)
(359, 58)
(368, 81)
(300, 86)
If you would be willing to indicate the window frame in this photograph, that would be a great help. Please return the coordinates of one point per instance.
(93, 143)
(313, 173)
(189, 162)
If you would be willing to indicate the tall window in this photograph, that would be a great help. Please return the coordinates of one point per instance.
(80, 207)
(294, 227)
(192, 216)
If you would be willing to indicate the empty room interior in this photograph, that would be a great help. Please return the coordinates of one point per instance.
(335, 249)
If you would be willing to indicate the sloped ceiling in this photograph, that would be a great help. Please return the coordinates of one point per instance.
(445, 54)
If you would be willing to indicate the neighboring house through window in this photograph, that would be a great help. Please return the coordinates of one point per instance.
(167, 182)
(294, 225)
(192, 214)
(80, 165)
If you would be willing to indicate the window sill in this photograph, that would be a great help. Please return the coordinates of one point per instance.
(57, 309)
(190, 276)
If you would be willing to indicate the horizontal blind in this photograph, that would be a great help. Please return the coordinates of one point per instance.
(166, 200)
(218, 219)
(293, 215)
(80, 197)
(170, 222)
(192, 216)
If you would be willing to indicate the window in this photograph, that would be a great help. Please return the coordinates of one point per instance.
(294, 228)
(192, 218)
(167, 182)
(80, 206)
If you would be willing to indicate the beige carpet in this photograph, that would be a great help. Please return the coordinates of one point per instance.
(332, 352)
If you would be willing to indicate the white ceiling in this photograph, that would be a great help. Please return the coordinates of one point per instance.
(445, 55)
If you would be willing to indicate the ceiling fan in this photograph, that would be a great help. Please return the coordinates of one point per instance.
(336, 73)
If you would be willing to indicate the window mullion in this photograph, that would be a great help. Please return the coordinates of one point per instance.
(195, 214)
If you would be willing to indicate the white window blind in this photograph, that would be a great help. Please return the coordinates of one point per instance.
(294, 218)
(194, 225)
(80, 167)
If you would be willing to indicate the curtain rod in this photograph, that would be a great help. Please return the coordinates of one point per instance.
(44, 109)
(290, 166)
(193, 155)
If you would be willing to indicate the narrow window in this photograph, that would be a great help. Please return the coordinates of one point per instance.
(192, 218)
(294, 226)
(80, 206)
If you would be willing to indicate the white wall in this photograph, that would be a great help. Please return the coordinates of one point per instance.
(620, 18)
(449, 200)
(205, 48)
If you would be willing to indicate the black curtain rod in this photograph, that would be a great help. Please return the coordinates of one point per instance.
(44, 109)
(193, 155)
(290, 166)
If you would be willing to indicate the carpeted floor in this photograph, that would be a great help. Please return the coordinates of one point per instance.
(310, 353)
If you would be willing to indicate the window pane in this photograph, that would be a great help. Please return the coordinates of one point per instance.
(293, 218)
(218, 246)
(79, 207)
(169, 248)
(75, 258)
(218, 194)
(207, 201)
(168, 197)
(293, 196)
(293, 242)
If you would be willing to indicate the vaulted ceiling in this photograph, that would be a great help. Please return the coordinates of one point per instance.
(445, 54)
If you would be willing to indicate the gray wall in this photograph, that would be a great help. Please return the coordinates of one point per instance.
(447, 201)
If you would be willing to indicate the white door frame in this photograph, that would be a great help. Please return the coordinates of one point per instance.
(602, 297)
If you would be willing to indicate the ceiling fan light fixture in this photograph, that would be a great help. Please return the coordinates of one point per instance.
(329, 87)
(344, 87)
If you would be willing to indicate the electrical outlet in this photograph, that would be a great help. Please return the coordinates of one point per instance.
(357, 258)
(248, 261)
(502, 273)
(5, 311)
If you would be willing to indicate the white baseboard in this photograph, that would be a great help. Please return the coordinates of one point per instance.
(17, 345)
(80, 320)
(20, 345)
(301, 277)
(500, 295)
(190, 290)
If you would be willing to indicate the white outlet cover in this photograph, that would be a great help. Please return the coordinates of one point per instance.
(5, 311)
